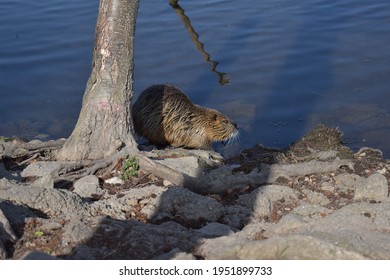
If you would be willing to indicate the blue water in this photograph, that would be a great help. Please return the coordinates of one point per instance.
(290, 64)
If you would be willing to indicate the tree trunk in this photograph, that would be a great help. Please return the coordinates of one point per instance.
(105, 124)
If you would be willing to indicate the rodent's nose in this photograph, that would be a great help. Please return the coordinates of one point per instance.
(235, 125)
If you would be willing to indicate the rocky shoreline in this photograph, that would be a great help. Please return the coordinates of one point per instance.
(315, 199)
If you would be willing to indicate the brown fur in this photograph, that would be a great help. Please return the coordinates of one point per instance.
(163, 114)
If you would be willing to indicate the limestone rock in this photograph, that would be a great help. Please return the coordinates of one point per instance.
(361, 227)
(236, 216)
(6, 235)
(3, 252)
(7, 174)
(6, 232)
(254, 230)
(49, 201)
(287, 224)
(312, 211)
(184, 204)
(114, 239)
(374, 187)
(46, 181)
(262, 199)
(50, 225)
(297, 247)
(216, 229)
(187, 165)
(347, 181)
(328, 187)
(316, 197)
(41, 168)
(88, 186)
(305, 168)
(76, 232)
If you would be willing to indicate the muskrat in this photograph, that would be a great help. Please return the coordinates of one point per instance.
(163, 114)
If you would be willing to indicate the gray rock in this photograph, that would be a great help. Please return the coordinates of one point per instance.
(50, 201)
(3, 252)
(326, 155)
(41, 168)
(382, 171)
(216, 229)
(316, 197)
(46, 181)
(88, 186)
(262, 199)
(19, 152)
(360, 227)
(224, 183)
(184, 204)
(374, 187)
(114, 239)
(6, 235)
(326, 186)
(203, 158)
(347, 181)
(16, 213)
(38, 137)
(6, 232)
(36, 141)
(312, 211)
(76, 232)
(221, 171)
(254, 230)
(187, 165)
(236, 216)
(173, 226)
(49, 225)
(287, 224)
(304, 168)
(10, 175)
(298, 247)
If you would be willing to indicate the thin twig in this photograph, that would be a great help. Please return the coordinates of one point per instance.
(29, 159)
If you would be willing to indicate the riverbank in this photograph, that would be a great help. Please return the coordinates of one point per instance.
(316, 199)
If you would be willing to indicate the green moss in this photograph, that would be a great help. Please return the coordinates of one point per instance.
(321, 138)
(130, 167)
(5, 139)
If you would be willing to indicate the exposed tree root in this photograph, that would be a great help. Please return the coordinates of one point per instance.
(16, 148)
(19, 154)
(72, 171)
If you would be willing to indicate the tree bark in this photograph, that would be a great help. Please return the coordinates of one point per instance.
(105, 124)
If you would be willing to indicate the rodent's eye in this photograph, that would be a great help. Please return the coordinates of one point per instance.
(215, 117)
